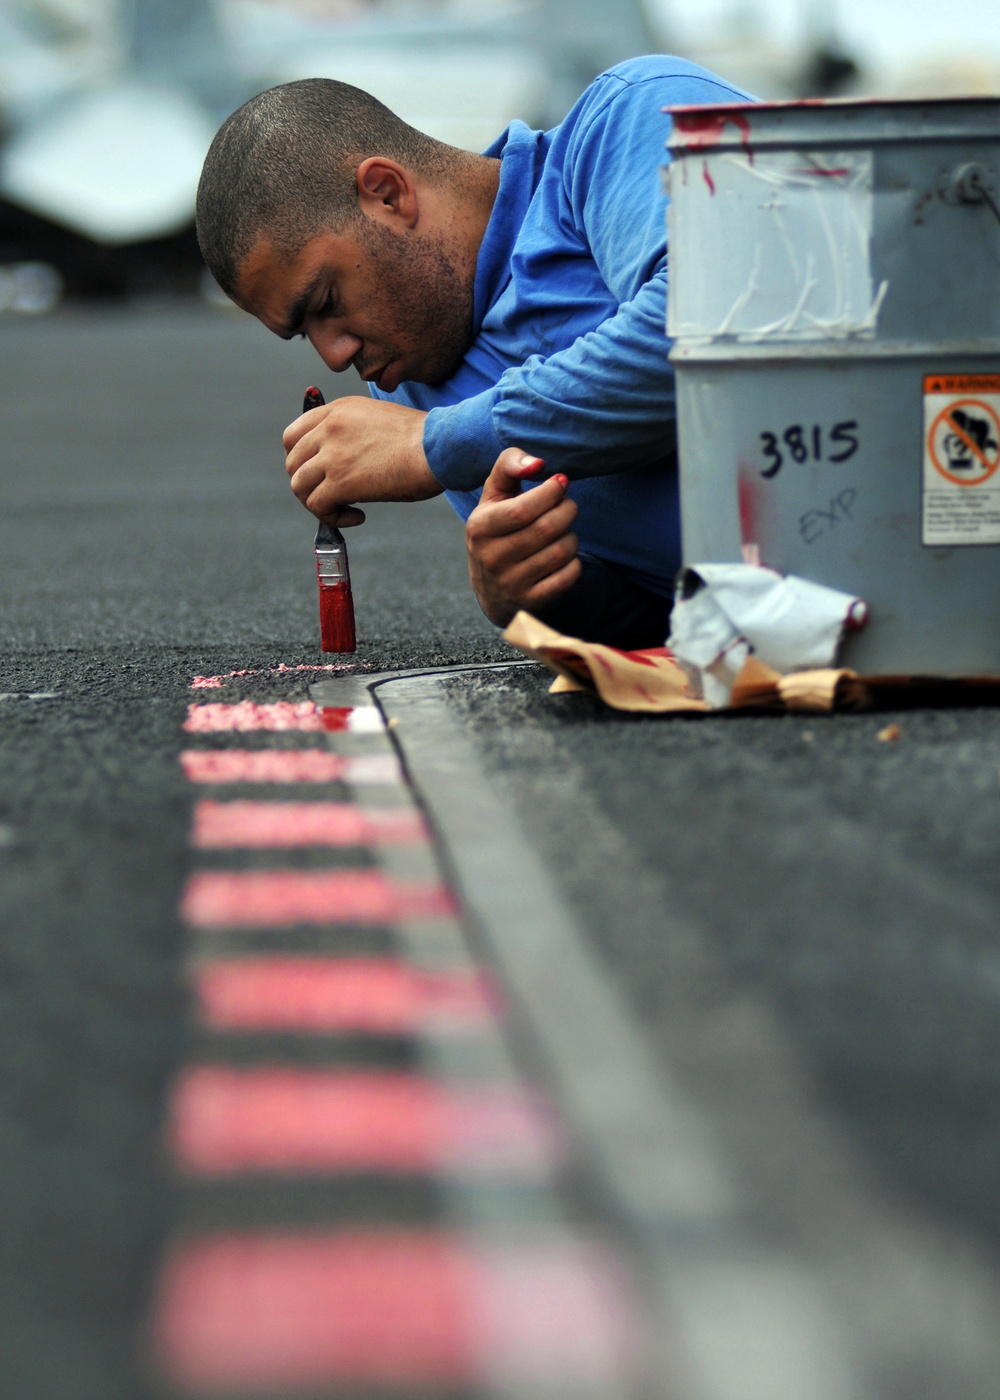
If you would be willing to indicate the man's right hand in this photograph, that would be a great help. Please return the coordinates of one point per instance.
(522, 551)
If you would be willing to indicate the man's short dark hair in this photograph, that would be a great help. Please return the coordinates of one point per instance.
(284, 167)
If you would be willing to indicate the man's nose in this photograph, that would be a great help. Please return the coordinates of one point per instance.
(335, 348)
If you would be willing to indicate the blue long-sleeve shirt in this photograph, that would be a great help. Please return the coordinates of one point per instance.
(569, 353)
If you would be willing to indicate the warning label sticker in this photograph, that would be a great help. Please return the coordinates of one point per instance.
(961, 459)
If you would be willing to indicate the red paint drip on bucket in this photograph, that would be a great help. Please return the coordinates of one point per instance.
(705, 127)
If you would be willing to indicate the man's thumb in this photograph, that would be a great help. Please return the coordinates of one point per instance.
(511, 468)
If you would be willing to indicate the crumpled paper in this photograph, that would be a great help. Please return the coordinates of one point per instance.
(652, 682)
(724, 614)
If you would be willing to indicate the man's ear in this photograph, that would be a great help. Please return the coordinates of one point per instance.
(386, 191)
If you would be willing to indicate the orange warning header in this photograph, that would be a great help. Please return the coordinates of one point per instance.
(962, 383)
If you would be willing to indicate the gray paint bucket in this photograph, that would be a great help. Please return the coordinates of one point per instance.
(835, 308)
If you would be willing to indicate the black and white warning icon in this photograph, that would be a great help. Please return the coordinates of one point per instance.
(961, 459)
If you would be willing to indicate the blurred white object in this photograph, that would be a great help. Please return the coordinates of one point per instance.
(723, 613)
(119, 165)
(30, 288)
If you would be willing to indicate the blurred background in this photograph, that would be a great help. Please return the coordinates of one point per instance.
(107, 106)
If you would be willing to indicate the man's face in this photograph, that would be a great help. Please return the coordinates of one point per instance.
(391, 304)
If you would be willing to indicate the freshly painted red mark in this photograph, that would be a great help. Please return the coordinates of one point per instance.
(373, 996)
(221, 825)
(336, 617)
(287, 766)
(279, 898)
(337, 718)
(298, 1311)
(283, 714)
(227, 1122)
(393, 1310)
(358, 719)
(216, 682)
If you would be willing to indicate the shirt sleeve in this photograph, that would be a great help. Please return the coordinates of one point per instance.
(606, 402)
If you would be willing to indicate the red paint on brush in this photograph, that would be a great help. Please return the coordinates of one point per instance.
(395, 1311)
(339, 996)
(227, 1122)
(221, 825)
(336, 618)
(281, 898)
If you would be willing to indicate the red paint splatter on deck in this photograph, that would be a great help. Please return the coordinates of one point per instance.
(280, 898)
(287, 766)
(222, 825)
(373, 996)
(336, 617)
(226, 1122)
(246, 716)
(392, 1309)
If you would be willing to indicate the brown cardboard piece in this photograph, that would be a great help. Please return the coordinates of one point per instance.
(652, 682)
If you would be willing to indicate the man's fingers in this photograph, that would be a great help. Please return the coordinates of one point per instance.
(501, 551)
(551, 588)
(302, 425)
(343, 518)
(511, 468)
(523, 576)
(508, 515)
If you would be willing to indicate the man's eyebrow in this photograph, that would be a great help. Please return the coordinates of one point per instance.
(297, 310)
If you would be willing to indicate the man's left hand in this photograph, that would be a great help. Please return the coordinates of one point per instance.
(357, 449)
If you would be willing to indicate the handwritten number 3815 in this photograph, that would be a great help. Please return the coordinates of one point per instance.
(801, 444)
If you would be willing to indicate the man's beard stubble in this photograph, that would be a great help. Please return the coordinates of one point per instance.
(425, 299)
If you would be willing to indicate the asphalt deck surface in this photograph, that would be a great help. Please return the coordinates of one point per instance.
(800, 918)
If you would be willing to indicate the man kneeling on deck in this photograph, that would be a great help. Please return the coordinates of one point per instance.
(507, 310)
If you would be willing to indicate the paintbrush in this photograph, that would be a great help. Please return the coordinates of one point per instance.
(336, 601)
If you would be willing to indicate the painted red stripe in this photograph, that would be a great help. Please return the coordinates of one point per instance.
(283, 714)
(278, 898)
(411, 1310)
(221, 825)
(373, 996)
(226, 1122)
(263, 1312)
(287, 766)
